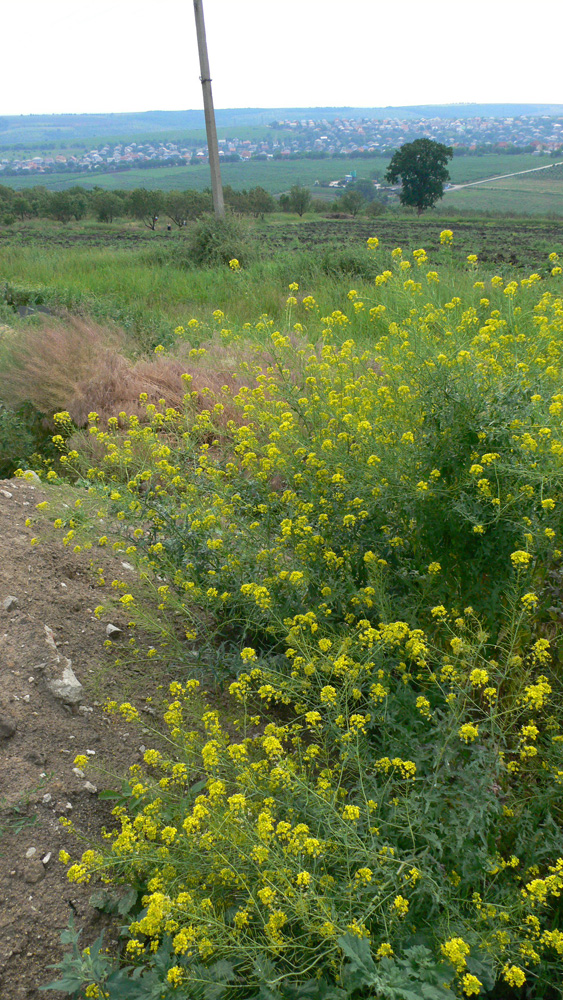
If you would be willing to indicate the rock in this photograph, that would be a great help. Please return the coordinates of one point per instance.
(68, 689)
(34, 871)
(31, 851)
(112, 631)
(47, 799)
(10, 602)
(128, 566)
(85, 709)
(31, 477)
(90, 787)
(78, 773)
(7, 494)
(7, 727)
(45, 860)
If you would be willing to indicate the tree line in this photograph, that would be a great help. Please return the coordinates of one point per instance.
(176, 208)
(147, 206)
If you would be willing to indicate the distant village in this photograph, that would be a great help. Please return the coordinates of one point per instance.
(306, 138)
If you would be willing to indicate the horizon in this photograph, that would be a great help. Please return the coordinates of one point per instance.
(296, 108)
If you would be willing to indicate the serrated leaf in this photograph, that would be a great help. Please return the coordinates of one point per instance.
(127, 902)
(223, 971)
(358, 950)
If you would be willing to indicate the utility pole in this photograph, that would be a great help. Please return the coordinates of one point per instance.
(212, 145)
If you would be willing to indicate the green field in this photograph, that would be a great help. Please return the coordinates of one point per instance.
(273, 175)
(544, 196)
(531, 194)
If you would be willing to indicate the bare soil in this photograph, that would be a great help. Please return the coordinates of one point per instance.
(54, 587)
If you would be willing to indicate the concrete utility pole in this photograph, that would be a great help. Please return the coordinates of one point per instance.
(212, 145)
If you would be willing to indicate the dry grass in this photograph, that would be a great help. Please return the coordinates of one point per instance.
(44, 364)
(80, 366)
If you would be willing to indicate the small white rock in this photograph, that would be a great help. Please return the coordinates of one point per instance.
(31, 851)
(47, 858)
(128, 566)
(46, 799)
(91, 753)
(26, 698)
(90, 787)
(79, 774)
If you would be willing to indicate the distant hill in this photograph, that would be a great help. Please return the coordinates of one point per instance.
(28, 129)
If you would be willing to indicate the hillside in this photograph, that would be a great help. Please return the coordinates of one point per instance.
(42, 128)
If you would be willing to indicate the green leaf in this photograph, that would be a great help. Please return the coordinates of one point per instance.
(358, 950)
(127, 902)
(66, 984)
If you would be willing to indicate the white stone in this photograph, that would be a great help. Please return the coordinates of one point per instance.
(68, 688)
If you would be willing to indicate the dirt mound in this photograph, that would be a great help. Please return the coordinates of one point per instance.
(47, 598)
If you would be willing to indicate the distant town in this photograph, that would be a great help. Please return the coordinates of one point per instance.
(305, 138)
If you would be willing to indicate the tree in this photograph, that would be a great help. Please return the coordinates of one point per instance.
(352, 202)
(61, 206)
(22, 207)
(183, 205)
(365, 187)
(421, 166)
(299, 199)
(260, 202)
(107, 205)
(145, 205)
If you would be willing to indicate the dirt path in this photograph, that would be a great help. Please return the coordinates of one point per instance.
(40, 735)
(502, 177)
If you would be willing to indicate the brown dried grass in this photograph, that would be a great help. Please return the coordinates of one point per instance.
(79, 366)
(44, 364)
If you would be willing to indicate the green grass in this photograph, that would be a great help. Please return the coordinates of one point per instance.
(138, 279)
(464, 169)
(530, 195)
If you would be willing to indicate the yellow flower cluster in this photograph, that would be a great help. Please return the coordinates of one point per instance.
(297, 517)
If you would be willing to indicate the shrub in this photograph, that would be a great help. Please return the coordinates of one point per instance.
(215, 241)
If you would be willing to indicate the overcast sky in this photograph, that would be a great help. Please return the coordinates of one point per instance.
(141, 55)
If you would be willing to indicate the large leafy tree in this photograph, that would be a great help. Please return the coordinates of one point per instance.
(421, 167)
